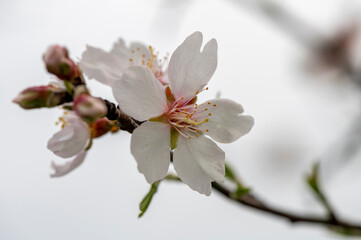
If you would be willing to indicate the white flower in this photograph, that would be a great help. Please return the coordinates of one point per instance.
(70, 141)
(176, 122)
(107, 67)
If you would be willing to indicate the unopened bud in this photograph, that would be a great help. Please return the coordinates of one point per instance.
(101, 126)
(89, 108)
(57, 62)
(42, 96)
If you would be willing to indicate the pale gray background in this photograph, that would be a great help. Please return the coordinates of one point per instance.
(299, 118)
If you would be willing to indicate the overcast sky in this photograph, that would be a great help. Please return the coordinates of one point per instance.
(298, 118)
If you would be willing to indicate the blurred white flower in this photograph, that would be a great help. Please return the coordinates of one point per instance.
(70, 141)
(176, 122)
(107, 67)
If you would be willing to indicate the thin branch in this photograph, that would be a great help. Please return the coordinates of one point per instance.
(251, 201)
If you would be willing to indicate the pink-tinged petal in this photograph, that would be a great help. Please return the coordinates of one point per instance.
(225, 122)
(189, 69)
(150, 148)
(139, 94)
(198, 162)
(71, 139)
(63, 169)
(102, 66)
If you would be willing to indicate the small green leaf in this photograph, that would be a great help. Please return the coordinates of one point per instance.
(229, 173)
(312, 180)
(313, 183)
(144, 204)
(240, 191)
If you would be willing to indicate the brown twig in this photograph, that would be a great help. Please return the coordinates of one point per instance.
(124, 122)
(252, 201)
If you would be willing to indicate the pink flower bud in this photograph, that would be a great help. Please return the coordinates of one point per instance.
(57, 62)
(41, 96)
(89, 108)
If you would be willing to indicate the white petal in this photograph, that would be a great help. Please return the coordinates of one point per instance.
(70, 140)
(150, 148)
(63, 169)
(226, 124)
(189, 69)
(140, 94)
(198, 162)
(120, 51)
(103, 66)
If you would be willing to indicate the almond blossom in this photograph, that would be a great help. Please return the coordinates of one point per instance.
(107, 67)
(175, 123)
(72, 140)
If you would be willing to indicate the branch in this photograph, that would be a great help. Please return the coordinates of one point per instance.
(251, 201)
(124, 122)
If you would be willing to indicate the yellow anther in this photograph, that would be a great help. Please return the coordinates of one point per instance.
(209, 114)
(133, 51)
(189, 137)
(151, 60)
(214, 105)
(207, 130)
(182, 98)
(138, 49)
(197, 92)
(130, 59)
(206, 88)
(206, 109)
(209, 103)
(143, 55)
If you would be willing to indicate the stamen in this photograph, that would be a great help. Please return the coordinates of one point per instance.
(152, 58)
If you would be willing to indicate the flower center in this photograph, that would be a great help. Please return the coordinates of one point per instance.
(187, 117)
